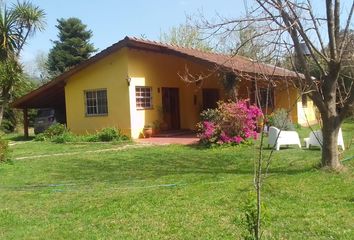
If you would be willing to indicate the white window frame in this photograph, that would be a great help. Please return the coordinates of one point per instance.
(146, 98)
(96, 103)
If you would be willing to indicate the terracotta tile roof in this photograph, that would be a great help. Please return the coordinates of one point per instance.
(235, 63)
(43, 96)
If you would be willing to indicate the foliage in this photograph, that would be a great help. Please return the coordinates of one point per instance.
(42, 68)
(65, 137)
(17, 24)
(11, 117)
(230, 82)
(4, 149)
(249, 218)
(185, 35)
(38, 68)
(110, 134)
(245, 43)
(231, 122)
(211, 115)
(58, 133)
(72, 47)
(10, 77)
(280, 119)
(320, 45)
(347, 74)
(12, 83)
(40, 137)
(56, 129)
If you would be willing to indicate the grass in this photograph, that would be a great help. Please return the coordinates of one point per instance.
(170, 192)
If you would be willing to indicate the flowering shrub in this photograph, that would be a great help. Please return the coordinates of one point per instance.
(230, 122)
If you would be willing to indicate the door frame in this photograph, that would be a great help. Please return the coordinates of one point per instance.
(171, 114)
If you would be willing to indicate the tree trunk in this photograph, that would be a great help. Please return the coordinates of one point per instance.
(330, 130)
(2, 109)
(25, 123)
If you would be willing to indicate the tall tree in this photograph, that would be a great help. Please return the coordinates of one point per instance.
(186, 35)
(72, 47)
(37, 69)
(315, 43)
(11, 116)
(17, 23)
(244, 43)
(323, 91)
(294, 26)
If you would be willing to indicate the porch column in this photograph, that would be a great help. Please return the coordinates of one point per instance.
(25, 122)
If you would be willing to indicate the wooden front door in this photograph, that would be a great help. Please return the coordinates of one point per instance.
(210, 98)
(170, 106)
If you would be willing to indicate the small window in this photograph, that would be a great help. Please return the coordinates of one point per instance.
(143, 97)
(265, 95)
(96, 102)
(304, 100)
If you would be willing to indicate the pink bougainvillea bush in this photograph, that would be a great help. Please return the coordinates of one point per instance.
(230, 122)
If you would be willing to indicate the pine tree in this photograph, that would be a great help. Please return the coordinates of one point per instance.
(72, 47)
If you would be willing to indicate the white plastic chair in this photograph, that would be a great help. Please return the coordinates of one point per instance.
(316, 139)
(285, 138)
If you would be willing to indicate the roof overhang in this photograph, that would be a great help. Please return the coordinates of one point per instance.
(52, 94)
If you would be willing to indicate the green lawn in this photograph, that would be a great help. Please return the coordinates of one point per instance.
(169, 192)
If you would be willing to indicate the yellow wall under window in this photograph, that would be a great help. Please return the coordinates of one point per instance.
(109, 73)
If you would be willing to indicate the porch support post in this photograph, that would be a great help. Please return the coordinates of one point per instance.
(25, 122)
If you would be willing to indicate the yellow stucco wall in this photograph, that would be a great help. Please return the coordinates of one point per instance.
(289, 98)
(109, 73)
(286, 97)
(154, 70)
(160, 70)
(306, 115)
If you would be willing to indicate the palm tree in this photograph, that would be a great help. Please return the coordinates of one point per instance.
(17, 23)
(9, 37)
(30, 19)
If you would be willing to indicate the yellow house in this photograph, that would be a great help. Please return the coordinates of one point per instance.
(136, 82)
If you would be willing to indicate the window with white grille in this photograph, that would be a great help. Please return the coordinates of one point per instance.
(143, 97)
(96, 102)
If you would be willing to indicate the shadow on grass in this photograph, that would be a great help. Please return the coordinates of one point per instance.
(191, 163)
(19, 138)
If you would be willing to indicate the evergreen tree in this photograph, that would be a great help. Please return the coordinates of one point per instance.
(72, 47)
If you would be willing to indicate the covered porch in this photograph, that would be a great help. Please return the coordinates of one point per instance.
(50, 95)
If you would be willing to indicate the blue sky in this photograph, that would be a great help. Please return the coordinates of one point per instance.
(112, 20)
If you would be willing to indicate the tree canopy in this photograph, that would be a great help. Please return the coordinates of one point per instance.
(72, 47)
(291, 26)
(18, 22)
(186, 35)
